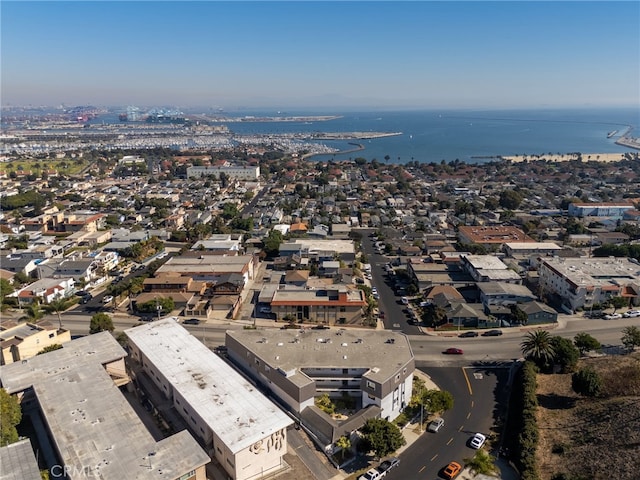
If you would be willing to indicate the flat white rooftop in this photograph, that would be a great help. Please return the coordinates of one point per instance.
(230, 405)
(93, 427)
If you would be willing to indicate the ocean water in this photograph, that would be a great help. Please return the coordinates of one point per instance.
(470, 136)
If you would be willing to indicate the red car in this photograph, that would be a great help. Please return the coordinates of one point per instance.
(453, 351)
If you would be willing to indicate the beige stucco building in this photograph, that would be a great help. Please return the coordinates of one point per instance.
(24, 340)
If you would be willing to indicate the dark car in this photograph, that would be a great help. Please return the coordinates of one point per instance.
(492, 333)
(388, 465)
(86, 298)
(192, 321)
(453, 351)
(320, 327)
(468, 334)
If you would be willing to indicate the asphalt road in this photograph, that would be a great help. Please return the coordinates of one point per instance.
(394, 316)
(476, 391)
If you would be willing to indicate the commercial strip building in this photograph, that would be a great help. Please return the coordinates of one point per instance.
(373, 369)
(90, 429)
(243, 430)
(583, 282)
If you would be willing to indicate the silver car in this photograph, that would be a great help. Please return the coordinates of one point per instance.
(435, 425)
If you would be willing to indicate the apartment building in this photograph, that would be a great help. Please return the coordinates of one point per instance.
(339, 304)
(24, 340)
(373, 368)
(582, 282)
(243, 430)
(90, 429)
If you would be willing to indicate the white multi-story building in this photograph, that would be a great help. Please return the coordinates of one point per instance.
(582, 282)
(242, 429)
(372, 368)
(242, 172)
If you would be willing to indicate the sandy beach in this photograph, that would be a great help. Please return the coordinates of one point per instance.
(586, 157)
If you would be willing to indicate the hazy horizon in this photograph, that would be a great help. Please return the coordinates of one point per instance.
(322, 55)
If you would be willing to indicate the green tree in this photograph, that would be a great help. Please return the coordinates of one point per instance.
(631, 336)
(57, 306)
(324, 403)
(510, 199)
(586, 343)
(101, 322)
(538, 348)
(34, 312)
(482, 463)
(5, 289)
(437, 400)
(50, 348)
(10, 416)
(587, 382)
(618, 302)
(519, 316)
(344, 444)
(272, 243)
(565, 353)
(381, 436)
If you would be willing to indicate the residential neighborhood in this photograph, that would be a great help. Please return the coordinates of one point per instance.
(332, 272)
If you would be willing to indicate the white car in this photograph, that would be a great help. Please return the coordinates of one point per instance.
(612, 316)
(107, 299)
(477, 441)
(372, 474)
(631, 314)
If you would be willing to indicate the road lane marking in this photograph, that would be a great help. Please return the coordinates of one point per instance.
(471, 403)
(450, 440)
(433, 458)
(468, 415)
(423, 467)
(461, 427)
(467, 379)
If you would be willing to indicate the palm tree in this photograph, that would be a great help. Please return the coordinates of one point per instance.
(34, 312)
(58, 305)
(537, 347)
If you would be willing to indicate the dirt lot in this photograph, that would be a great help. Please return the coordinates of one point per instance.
(592, 439)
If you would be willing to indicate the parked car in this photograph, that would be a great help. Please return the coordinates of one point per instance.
(86, 298)
(404, 300)
(452, 470)
(372, 474)
(107, 299)
(264, 309)
(192, 321)
(435, 425)
(388, 464)
(492, 333)
(612, 316)
(468, 334)
(453, 351)
(631, 314)
(477, 441)
(320, 327)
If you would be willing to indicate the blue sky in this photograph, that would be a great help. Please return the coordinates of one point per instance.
(306, 54)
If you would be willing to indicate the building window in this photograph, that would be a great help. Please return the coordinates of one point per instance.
(343, 309)
(266, 368)
(257, 362)
(371, 385)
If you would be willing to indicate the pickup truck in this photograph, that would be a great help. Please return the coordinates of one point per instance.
(372, 474)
